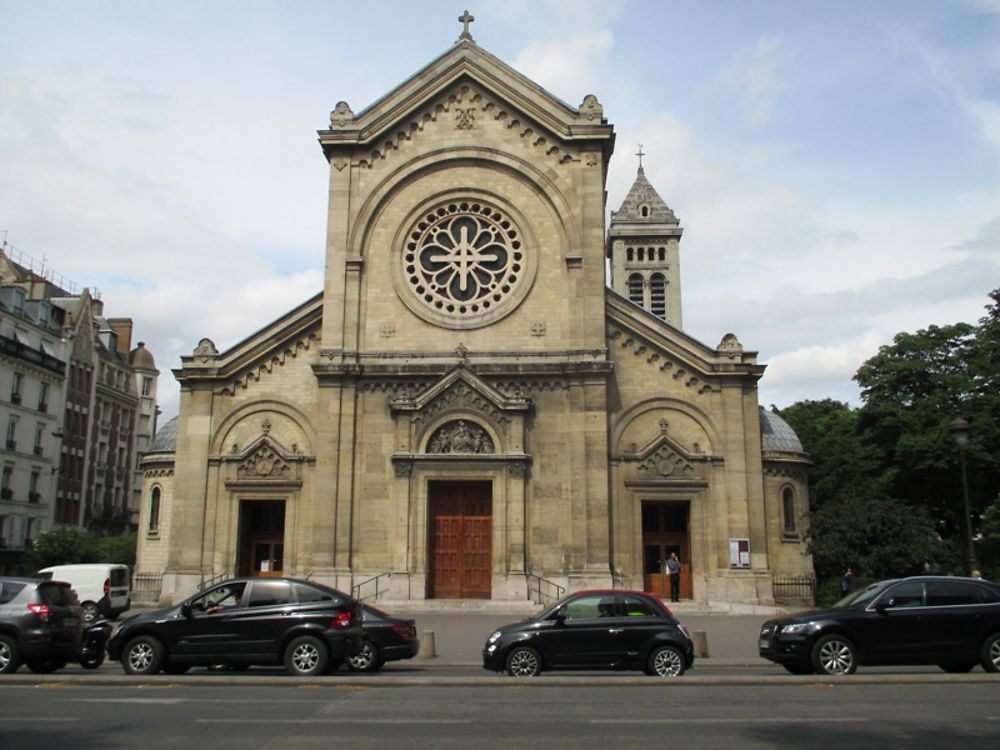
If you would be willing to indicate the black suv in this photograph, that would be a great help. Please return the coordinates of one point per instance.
(41, 624)
(601, 629)
(951, 622)
(304, 625)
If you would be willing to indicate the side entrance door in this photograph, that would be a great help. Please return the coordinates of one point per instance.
(461, 540)
(665, 530)
(262, 538)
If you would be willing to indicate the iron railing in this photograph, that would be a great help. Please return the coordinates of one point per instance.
(797, 588)
(373, 581)
(147, 586)
(542, 590)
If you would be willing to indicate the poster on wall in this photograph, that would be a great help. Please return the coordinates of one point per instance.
(739, 553)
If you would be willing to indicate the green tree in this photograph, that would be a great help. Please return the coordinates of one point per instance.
(912, 391)
(65, 546)
(62, 547)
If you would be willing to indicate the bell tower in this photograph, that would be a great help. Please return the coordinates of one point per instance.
(644, 248)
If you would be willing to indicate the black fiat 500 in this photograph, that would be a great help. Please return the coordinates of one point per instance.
(594, 630)
(304, 625)
(951, 622)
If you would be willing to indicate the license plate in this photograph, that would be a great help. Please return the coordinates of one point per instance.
(764, 643)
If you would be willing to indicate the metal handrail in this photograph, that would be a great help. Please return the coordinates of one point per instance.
(543, 597)
(212, 581)
(356, 589)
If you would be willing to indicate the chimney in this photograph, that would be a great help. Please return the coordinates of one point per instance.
(123, 330)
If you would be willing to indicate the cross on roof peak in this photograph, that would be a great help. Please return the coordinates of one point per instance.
(465, 20)
(640, 153)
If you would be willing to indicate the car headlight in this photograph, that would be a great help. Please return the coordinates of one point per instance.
(495, 637)
(797, 628)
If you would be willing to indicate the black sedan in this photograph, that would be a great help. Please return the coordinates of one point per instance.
(304, 625)
(387, 638)
(951, 622)
(604, 629)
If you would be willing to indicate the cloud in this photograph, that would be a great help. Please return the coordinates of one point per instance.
(755, 76)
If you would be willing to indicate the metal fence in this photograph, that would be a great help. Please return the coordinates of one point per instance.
(146, 587)
(795, 588)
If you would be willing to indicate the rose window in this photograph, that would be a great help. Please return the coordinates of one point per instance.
(463, 258)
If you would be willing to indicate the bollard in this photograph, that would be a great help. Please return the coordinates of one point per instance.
(700, 640)
(426, 648)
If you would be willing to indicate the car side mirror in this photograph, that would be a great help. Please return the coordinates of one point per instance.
(186, 610)
(880, 606)
(559, 615)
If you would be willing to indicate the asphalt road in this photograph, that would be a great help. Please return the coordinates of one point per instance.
(538, 713)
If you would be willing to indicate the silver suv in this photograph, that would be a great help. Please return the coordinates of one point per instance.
(41, 624)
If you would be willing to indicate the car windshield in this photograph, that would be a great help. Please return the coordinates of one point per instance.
(862, 597)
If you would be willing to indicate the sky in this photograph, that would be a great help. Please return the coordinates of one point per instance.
(835, 166)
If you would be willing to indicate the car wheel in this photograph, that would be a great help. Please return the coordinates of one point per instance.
(93, 659)
(990, 658)
(142, 655)
(46, 666)
(524, 661)
(799, 668)
(665, 661)
(957, 667)
(10, 655)
(306, 656)
(834, 654)
(366, 660)
(90, 612)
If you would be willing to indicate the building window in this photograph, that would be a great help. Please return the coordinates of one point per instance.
(788, 511)
(43, 397)
(15, 390)
(39, 433)
(147, 385)
(644, 211)
(658, 296)
(6, 479)
(630, 254)
(154, 511)
(635, 289)
(33, 494)
(12, 433)
(663, 253)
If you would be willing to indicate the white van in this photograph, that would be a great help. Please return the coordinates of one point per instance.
(102, 588)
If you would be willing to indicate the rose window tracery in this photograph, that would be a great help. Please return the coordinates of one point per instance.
(463, 258)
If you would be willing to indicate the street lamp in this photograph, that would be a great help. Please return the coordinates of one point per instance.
(960, 431)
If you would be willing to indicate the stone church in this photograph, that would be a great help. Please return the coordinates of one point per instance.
(468, 410)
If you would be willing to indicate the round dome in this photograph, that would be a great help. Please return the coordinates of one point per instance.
(166, 438)
(140, 358)
(776, 434)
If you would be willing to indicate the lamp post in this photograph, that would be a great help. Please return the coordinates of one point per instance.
(960, 431)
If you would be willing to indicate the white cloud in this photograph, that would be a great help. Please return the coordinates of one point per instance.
(755, 74)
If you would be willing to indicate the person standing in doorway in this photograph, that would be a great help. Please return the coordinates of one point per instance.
(673, 569)
(847, 582)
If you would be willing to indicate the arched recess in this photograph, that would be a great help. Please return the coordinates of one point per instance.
(629, 416)
(520, 169)
(221, 440)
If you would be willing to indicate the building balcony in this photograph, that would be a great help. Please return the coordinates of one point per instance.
(34, 497)
(6, 493)
(15, 398)
(11, 444)
(38, 450)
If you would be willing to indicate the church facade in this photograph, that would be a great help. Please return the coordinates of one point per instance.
(467, 410)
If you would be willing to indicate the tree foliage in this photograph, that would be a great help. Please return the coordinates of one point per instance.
(886, 482)
(66, 546)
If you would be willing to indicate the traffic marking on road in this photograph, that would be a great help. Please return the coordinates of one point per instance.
(748, 720)
(333, 721)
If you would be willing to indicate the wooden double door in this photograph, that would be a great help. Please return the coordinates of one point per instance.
(461, 540)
